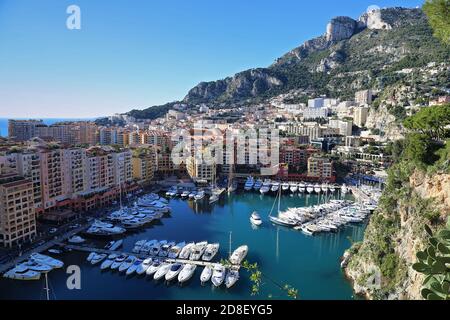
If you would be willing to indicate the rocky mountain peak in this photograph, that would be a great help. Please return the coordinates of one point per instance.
(340, 28)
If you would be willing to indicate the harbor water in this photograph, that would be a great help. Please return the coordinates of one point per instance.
(285, 256)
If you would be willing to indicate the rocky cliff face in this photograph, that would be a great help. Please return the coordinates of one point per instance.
(330, 51)
(250, 83)
(393, 237)
(340, 28)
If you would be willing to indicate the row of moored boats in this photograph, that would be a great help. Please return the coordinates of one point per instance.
(327, 217)
(173, 261)
(267, 185)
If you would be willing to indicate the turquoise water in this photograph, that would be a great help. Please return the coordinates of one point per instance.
(310, 264)
(47, 121)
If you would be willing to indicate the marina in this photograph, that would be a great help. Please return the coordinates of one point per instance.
(198, 220)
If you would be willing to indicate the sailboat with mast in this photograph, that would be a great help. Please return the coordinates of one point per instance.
(283, 221)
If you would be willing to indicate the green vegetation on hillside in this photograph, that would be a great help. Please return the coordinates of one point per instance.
(438, 13)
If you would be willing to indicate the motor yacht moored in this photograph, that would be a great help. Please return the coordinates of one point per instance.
(197, 250)
(186, 273)
(206, 274)
(162, 270)
(210, 251)
(173, 272)
(232, 277)
(255, 219)
(239, 254)
(218, 275)
(249, 184)
(293, 187)
(142, 268)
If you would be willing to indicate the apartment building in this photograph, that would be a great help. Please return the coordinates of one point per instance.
(17, 216)
(144, 167)
(29, 166)
(344, 127)
(23, 130)
(74, 166)
(53, 177)
(123, 169)
(360, 116)
(99, 170)
(321, 168)
(201, 171)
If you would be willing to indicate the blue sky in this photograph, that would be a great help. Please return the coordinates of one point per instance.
(138, 53)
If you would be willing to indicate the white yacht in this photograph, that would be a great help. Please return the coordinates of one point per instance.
(310, 188)
(265, 187)
(147, 246)
(165, 249)
(258, 184)
(118, 261)
(197, 250)
(174, 270)
(99, 228)
(317, 188)
(283, 221)
(162, 270)
(332, 188)
(255, 219)
(108, 262)
(239, 254)
(249, 184)
(138, 246)
(154, 250)
(98, 258)
(324, 188)
(153, 267)
(293, 187)
(127, 263)
(285, 186)
(206, 274)
(231, 278)
(218, 275)
(175, 250)
(186, 251)
(43, 259)
(210, 251)
(132, 269)
(142, 268)
(36, 266)
(301, 187)
(22, 273)
(185, 194)
(199, 196)
(275, 187)
(187, 272)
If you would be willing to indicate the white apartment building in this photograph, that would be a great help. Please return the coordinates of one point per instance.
(360, 116)
(315, 113)
(344, 127)
(316, 103)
